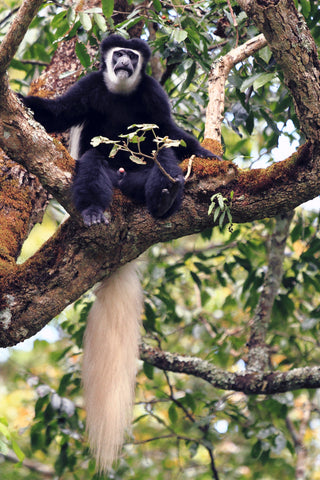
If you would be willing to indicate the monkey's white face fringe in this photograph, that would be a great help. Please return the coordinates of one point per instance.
(119, 84)
(109, 364)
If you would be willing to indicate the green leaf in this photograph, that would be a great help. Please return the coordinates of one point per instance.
(196, 279)
(64, 383)
(143, 126)
(257, 81)
(36, 437)
(211, 207)
(114, 150)
(179, 35)
(107, 7)
(221, 219)
(256, 449)
(221, 202)
(173, 415)
(82, 54)
(216, 214)
(100, 21)
(266, 54)
(17, 450)
(148, 370)
(190, 76)
(263, 79)
(58, 19)
(85, 21)
(157, 5)
(4, 430)
(137, 160)
(190, 401)
(306, 7)
(96, 141)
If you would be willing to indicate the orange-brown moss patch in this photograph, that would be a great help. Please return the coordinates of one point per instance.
(258, 180)
(213, 145)
(65, 162)
(15, 209)
(204, 167)
(38, 88)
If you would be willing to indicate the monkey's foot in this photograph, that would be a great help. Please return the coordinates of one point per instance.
(168, 196)
(93, 215)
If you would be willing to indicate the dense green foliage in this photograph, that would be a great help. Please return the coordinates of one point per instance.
(201, 291)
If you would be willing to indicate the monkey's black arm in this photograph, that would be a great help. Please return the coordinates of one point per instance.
(59, 114)
(193, 146)
(157, 101)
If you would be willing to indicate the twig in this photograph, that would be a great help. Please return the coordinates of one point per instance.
(187, 175)
(162, 170)
(298, 440)
(235, 23)
(203, 429)
(213, 465)
(12, 12)
(45, 471)
(34, 62)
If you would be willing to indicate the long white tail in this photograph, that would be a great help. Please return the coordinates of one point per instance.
(109, 364)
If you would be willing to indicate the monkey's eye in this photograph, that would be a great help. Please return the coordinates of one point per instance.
(132, 55)
(117, 54)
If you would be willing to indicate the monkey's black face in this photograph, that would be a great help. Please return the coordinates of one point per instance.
(124, 62)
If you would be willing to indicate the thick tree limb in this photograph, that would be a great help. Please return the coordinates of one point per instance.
(76, 258)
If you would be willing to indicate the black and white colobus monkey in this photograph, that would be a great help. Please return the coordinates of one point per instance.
(105, 103)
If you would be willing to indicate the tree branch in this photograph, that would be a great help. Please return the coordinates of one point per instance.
(17, 31)
(26, 142)
(217, 81)
(249, 383)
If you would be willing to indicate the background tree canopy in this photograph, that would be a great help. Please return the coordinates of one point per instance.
(229, 378)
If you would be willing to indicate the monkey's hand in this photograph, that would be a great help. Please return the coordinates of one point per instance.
(93, 215)
(204, 153)
(168, 196)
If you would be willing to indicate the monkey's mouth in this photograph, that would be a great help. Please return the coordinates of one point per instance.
(123, 72)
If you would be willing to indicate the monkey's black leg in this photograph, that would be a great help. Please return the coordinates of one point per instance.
(132, 183)
(92, 187)
(163, 197)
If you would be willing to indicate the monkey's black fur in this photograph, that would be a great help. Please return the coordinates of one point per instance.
(92, 104)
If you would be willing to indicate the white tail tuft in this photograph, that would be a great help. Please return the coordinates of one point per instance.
(109, 365)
